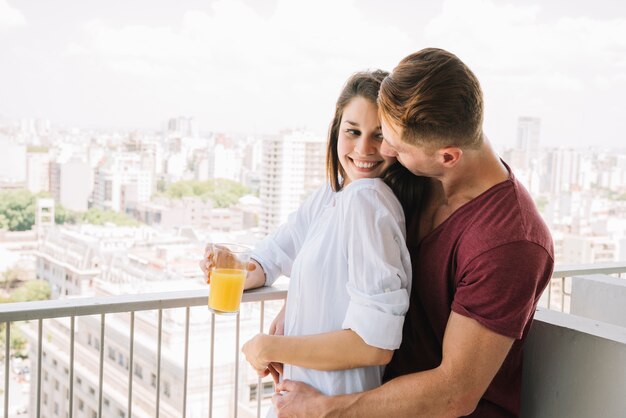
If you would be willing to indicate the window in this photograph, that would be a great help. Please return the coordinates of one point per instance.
(79, 381)
(138, 371)
(92, 391)
(45, 376)
(56, 384)
(166, 388)
(112, 353)
(106, 402)
(56, 408)
(96, 344)
(81, 405)
(153, 380)
(121, 361)
(45, 399)
(54, 363)
(267, 387)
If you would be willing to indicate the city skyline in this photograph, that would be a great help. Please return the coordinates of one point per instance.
(254, 68)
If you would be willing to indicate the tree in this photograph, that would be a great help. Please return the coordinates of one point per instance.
(17, 210)
(31, 291)
(221, 192)
(11, 276)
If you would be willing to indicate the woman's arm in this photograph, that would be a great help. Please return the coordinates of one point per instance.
(255, 277)
(337, 350)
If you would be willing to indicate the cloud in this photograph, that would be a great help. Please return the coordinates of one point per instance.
(10, 16)
(278, 68)
(501, 39)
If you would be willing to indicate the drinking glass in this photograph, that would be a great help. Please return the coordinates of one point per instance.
(227, 277)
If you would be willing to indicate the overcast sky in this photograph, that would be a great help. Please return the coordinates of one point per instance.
(260, 66)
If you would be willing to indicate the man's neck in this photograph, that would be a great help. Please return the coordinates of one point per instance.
(478, 171)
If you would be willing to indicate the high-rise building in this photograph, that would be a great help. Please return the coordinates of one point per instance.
(75, 185)
(120, 261)
(38, 172)
(292, 167)
(12, 162)
(121, 182)
(528, 130)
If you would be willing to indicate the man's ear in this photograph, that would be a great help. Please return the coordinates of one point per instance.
(449, 156)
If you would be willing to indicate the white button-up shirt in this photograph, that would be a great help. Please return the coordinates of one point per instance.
(349, 268)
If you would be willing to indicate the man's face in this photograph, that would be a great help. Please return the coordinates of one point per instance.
(414, 158)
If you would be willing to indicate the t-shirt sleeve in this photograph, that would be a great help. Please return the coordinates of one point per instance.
(379, 269)
(277, 252)
(501, 287)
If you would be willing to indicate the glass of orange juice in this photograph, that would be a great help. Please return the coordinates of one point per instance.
(227, 277)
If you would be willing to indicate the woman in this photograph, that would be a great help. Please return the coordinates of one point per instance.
(345, 252)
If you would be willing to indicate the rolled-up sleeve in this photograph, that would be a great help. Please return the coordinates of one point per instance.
(379, 266)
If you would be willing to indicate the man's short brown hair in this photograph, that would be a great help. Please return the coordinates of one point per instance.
(435, 99)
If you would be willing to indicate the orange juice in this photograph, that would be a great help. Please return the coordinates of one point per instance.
(226, 290)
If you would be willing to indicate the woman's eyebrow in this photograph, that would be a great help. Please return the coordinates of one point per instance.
(351, 123)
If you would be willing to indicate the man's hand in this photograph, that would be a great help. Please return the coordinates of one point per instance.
(297, 399)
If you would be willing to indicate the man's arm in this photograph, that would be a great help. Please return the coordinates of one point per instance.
(472, 355)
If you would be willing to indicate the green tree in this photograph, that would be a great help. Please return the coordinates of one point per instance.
(221, 192)
(11, 276)
(100, 217)
(31, 291)
(17, 210)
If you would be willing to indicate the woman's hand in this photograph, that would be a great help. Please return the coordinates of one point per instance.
(208, 262)
(254, 350)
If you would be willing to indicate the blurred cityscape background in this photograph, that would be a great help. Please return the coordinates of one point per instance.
(128, 143)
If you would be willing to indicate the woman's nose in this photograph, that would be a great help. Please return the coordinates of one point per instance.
(366, 146)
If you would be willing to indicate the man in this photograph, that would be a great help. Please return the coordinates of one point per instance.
(481, 258)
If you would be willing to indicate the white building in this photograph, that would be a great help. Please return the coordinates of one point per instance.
(38, 172)
(293, 165)
(528, 130)
(75, 184)
(130, 262)
(12, 162)
(121, 182)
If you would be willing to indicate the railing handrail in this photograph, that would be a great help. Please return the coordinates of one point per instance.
(25, 311)
(569, 270)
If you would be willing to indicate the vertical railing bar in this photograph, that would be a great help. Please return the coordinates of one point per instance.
(101, 371)
(7, 367)
(39, 358)
(185, 373)
(158, 377)
(562, 294)
(549, 292)
(72, 340)
(212, 364)
(131, 361)
(237, 362)
(258, 385)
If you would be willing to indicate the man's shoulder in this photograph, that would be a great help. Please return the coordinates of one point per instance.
(502, 215)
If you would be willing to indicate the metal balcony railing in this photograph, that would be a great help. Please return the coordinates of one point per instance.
(104, 306)
(558, 292)
(556, 297)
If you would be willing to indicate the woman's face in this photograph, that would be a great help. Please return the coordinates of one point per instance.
(358, 145)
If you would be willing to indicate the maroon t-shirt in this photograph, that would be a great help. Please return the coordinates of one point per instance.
(489, 261)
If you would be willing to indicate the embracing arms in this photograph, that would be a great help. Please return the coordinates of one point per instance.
(472, 355)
